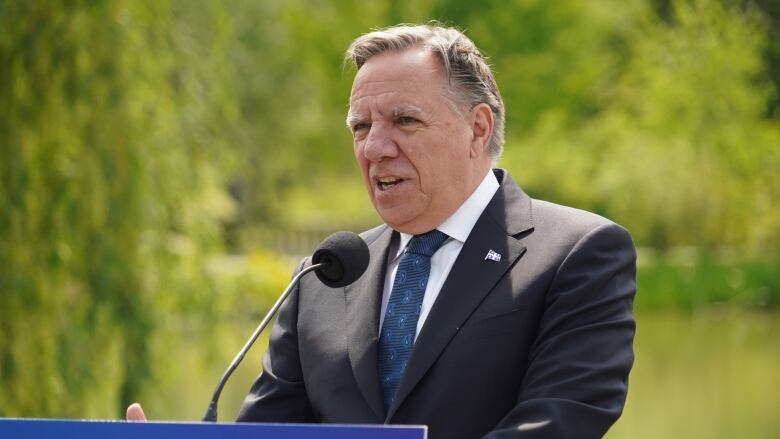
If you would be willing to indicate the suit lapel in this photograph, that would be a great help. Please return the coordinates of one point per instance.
(363, 304)
(471, 279)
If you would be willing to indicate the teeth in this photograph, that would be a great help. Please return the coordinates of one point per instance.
(386, 183)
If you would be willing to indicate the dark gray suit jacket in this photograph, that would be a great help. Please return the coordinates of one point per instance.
(538, 344)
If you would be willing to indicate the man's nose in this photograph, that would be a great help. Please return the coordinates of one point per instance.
(379, 143)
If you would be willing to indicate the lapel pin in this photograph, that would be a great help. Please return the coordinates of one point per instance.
(493, 256)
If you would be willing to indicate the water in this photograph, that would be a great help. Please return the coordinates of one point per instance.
(710, 374)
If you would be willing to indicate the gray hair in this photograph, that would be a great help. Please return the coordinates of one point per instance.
(467, 72)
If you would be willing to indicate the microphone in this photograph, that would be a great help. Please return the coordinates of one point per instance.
(344, 256)
(338, 261)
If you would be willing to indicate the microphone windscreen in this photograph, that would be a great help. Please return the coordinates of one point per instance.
(345, 256)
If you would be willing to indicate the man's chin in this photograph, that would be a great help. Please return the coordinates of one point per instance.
(406, 216)
(394, 218)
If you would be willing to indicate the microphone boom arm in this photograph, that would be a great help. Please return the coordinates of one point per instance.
(211, 411)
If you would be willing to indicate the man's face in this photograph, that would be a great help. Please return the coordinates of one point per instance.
(417, 154)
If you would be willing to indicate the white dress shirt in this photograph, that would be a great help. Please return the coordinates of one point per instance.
(457, 227)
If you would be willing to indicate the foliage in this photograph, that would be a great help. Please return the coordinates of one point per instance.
(684, 279)
(680, 150)
(110, 195)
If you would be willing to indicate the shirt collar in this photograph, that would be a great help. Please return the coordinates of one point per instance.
(459, 224)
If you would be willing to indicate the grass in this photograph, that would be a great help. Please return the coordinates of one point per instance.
(683, 281)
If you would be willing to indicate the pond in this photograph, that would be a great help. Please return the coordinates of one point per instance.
(709, 374)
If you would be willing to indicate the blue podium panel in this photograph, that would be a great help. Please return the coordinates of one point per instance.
(48, 428)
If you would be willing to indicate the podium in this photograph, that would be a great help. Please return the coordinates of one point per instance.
(59, 428)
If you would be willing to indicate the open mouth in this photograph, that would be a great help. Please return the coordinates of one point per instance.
(387, 183)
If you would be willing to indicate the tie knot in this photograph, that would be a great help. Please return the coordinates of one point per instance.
(427, 243)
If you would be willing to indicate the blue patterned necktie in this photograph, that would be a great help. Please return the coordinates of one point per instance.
(403, 310)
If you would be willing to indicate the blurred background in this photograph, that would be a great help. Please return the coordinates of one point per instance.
(163, 165)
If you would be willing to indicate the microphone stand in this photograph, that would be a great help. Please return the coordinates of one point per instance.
(211, 411)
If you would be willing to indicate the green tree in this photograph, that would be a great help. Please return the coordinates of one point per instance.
(680, 148)
(110, 193)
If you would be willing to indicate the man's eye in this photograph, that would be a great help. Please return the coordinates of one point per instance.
(360, 127)
(407, 120)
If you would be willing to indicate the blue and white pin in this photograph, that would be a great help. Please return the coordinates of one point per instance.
(493, 256)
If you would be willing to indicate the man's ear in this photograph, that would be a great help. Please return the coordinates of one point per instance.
(481, 128)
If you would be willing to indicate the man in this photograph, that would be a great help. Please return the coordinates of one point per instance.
(518, 320)
(483, 312)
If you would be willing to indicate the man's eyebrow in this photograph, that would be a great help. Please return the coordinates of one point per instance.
(404, 110)
(354, 119)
